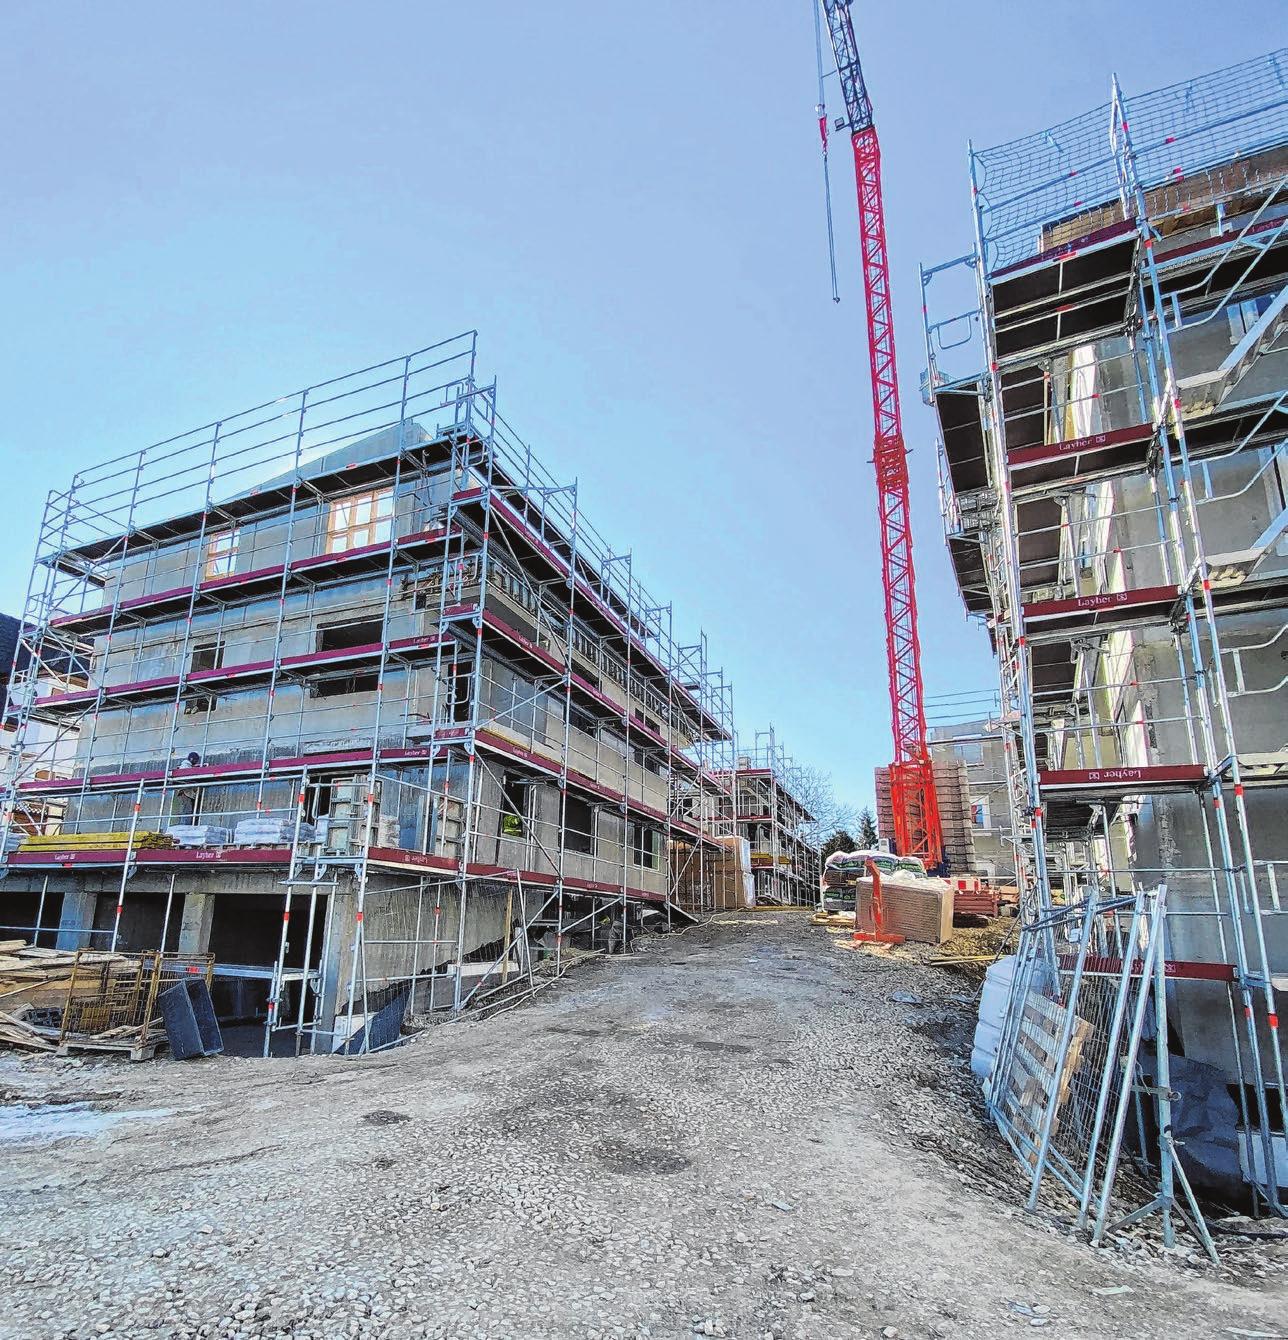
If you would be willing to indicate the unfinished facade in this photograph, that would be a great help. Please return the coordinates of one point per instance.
(370, 712)
(775, 822)
(1109, 379)
(975, 754)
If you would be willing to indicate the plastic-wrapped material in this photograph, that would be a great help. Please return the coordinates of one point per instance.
(268, 832)
(199, 835)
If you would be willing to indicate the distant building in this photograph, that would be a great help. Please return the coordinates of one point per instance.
(979, 749)
(775, 822)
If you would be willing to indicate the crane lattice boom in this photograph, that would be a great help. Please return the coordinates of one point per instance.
(912, 782)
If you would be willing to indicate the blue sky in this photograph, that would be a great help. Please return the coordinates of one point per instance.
(208, 205)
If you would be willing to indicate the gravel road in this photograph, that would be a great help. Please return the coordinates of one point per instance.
(734, 1132)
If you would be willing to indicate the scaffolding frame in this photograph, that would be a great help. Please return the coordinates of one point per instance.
(1075, 469)
(774, 819)
(384, 534)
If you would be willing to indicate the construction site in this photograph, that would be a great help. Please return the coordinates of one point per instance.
(334, 645)
(401, 932)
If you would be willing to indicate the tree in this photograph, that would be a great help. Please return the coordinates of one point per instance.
(813, 788)
(867, 829)
(839, 841)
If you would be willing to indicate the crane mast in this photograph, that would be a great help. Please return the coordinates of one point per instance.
(913, 801)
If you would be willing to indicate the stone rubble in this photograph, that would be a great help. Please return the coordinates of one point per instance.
(748, 1134)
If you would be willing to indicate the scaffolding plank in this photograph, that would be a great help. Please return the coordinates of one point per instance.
(1126, 780)
(1122, 450)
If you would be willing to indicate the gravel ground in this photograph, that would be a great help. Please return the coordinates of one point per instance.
(735, 1132)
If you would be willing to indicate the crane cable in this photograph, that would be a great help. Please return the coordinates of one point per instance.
(821, 110)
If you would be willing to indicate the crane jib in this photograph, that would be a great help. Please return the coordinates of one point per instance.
(854, 92)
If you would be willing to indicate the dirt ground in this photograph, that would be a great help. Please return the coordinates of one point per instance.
(739, 1131)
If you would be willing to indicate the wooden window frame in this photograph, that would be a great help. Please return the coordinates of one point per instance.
(360, 519)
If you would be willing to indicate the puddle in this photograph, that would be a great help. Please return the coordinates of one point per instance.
(43, 1123)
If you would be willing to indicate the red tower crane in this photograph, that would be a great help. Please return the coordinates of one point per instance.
(912, 779)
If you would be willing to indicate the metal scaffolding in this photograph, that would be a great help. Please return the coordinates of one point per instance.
(775, 820)
(1106, 365)
(358, 646)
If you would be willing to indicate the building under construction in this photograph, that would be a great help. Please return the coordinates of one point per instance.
(362, 705)
(976, 794)
(1108, 368)
(776, 823)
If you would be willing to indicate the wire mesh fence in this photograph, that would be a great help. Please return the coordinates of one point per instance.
(1029, 183)
(1078, 1087)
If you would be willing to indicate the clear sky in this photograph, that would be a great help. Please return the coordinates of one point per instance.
(207, 205)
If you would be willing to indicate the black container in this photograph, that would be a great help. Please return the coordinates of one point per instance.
(189, 1017)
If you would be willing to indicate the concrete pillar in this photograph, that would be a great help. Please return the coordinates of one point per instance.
(195, 922)
(337, 967)
(522, 951)
(77, 918)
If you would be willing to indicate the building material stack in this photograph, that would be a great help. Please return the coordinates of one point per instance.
(89, 1000)
(140, 840)
(955, 812)
(917, 909)
(885, 810)
(956, 816)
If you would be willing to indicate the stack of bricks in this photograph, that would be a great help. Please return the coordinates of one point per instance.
(956, 820)
(885, 815)
(920, 910)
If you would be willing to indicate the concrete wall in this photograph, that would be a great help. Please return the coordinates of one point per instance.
(394, 916)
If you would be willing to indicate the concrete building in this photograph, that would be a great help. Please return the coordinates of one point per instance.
(976, 749)
(372, 713)
(777, 824)
(1109, 369)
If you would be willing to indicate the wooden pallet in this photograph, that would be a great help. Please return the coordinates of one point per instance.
(137, 1051)
(1039, 1076)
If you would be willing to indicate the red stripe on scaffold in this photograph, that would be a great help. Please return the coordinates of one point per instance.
(1078, 446)
(1144, 776)
(1102, 600)
(1187, 969)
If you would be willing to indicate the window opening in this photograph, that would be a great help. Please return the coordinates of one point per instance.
(643, 844)
(514, 794)
(579, 825)
(203, 656)
(221, 552)
(340, 636)
(206, 655)
(360, 519)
